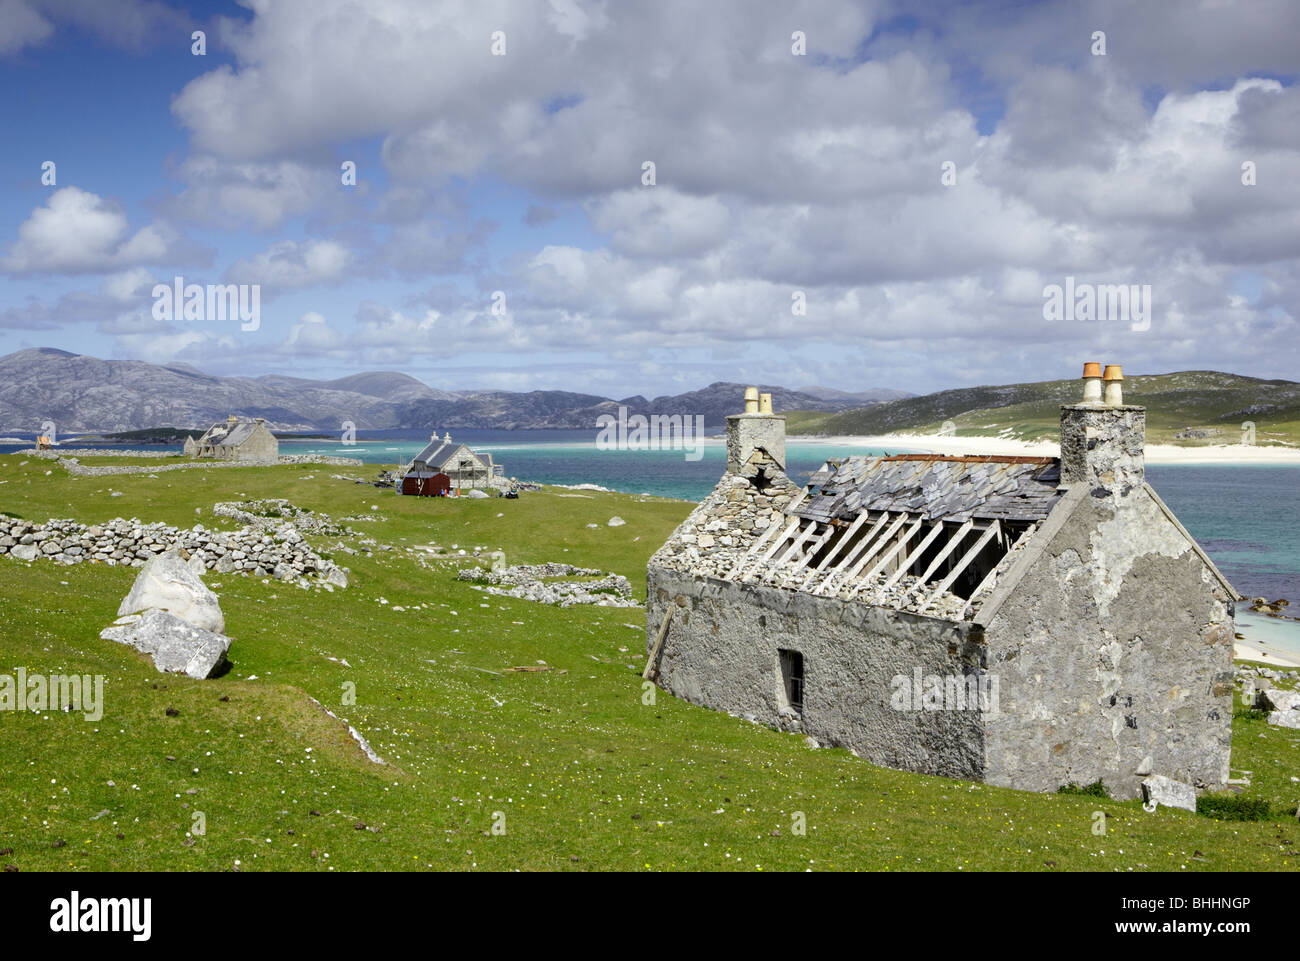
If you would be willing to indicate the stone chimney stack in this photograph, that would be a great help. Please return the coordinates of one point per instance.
(755, 430)
(1103, 444)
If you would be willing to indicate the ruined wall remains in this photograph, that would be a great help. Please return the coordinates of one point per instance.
(1114, 656)
(261, 447)
(722, 652)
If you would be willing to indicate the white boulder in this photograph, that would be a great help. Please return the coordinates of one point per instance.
(1167, 792)
(177, 646)
(167, 583)
(1273, 699)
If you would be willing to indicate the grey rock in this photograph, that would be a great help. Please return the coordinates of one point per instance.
(25, 552)
(1167, 792)
(1273, 699)
(1289, 719)
(177, 647)
(167, 583)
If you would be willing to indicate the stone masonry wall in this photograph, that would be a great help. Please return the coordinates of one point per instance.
(1114, 657)
(1103, 447)
(280, 552)
(722, 647)
(727, 522)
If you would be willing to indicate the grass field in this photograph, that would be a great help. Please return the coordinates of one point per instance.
(573, 764)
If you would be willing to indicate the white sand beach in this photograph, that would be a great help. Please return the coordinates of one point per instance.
(1247, 652)
(998, 446)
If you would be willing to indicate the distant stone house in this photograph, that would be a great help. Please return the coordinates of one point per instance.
(464, 469)
(1026, 622)
(238, 439)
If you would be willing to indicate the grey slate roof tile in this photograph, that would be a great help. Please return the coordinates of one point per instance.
(948, 488)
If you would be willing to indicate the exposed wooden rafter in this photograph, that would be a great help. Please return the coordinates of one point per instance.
(845, 537)
(860, 555)
(991, 578)
(989, 533)
(890, 555)
(911, 558)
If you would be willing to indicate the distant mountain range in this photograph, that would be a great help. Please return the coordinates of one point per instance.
(82, 393)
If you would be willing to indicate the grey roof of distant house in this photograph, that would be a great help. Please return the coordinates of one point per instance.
(438, 454)
(225, 434)
(935, 487)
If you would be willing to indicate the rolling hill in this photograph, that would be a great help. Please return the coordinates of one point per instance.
(1188, 407)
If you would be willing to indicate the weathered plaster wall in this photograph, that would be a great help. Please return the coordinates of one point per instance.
(1114, 657)
(261, 447)
(721, 652)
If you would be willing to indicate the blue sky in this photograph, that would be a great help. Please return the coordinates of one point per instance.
(519, 178)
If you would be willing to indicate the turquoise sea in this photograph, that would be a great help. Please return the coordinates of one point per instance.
(1246, 517)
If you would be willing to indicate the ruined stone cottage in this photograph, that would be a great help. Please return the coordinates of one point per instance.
(235, 438)
(1026, 622)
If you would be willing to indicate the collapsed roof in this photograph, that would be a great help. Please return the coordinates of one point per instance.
(924, 533)
(226, 434)
(935, 487)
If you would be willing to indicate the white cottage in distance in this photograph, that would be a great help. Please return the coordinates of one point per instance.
(445, 460)
(242, 439)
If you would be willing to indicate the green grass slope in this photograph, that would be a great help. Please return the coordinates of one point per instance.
(576, 764)
(1204, 400)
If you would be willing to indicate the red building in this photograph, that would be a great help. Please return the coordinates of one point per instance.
(426, 484)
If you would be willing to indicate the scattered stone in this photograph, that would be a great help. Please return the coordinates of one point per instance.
(1167, 792)
(1273, 699)
(535, 582)
(616, 521)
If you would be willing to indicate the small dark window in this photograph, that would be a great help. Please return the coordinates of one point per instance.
(792, 679)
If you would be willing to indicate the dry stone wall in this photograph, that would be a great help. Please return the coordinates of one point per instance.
(280, 552)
